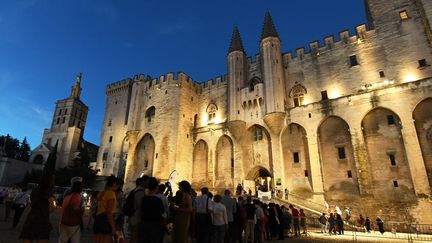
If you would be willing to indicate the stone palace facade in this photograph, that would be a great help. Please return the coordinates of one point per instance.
(345, 119)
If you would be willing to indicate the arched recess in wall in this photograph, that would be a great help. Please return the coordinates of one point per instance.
(38, 159)
(337, 158)
(386, 151)
(297, 94)
(224, 162)
(260, 148)
(296, 158)
(145, 155)
(422, 116)
(123, 158)
(200, 164)
(150, 113)
(254, 81)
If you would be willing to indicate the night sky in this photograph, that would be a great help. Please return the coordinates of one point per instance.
(44, 44)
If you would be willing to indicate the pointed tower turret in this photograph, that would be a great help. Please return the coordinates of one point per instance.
(76, 89)
(236, 42)
(237, 71)
(272, 67)
(269, 29)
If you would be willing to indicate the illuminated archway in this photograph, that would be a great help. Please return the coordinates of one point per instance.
(145, 154)
(386, 150)
(296, 156)
(422, 116)
(200, 163)
(225, 161)
(337, 157)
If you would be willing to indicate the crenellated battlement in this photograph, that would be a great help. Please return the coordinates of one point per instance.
(119, 86)
(215, 83)
(329, 43)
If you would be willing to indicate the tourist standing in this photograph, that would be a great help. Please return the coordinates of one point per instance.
(10, 195)
(302, 216)
(231, 209)
(37, 226)
(368, 225)
(331, 223)
(20, 203)
(219, 220)
(203, 207)
(151, 227)
(286, 194)
(296, 220)
(323, 219)
(132, 207)
(347, 214)
(183, 213)
(104, 226)
(340, 224)
(250, 220)
(71, 217)
(380, 225)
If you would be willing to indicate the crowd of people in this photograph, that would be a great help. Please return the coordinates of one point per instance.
(151, 212)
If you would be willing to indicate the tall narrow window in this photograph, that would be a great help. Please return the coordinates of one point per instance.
(403, 15)
(60, 111)
(110, 139)
(390, 120)
(105, 156)
(353, 61)
(64, 119)
(296, 157)
(109, 122)
(324, 95)
(395, 184)
(392, 159)
(349, 174)
(145, 163)
(341, 153)
(257, 134)
(58, 120)
(306, 173)
(65, 112)
(211, 111)
(381, 74)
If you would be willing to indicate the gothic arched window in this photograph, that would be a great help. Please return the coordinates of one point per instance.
(211, 111)
(297, 94)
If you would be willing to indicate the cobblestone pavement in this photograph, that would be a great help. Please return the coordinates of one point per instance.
(9, 235)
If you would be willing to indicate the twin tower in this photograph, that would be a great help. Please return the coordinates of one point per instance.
(266, 72)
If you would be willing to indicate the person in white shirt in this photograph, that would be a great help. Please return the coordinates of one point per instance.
(219, 219)
(203, 207)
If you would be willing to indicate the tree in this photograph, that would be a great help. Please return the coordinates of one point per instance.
(11, 146)
(24, 151)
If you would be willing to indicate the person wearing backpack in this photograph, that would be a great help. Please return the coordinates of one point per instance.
(132, 206)
(71, 217)
(323, 219)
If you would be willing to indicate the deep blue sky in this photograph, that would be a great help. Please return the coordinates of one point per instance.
(45, 43)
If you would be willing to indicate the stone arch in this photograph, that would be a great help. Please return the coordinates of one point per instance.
(225, 161)
(38, 159)
(200, 163)
(422, 116)
(150, 113)
(258, 171)
(337, 158)
(260, 147)
(254, 81)
(423, 122)
(386, 151)
(296, 157)
(145, 154)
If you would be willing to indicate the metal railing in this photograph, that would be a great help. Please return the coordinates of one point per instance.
(392, 230)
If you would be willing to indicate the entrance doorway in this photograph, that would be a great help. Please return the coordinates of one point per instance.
(258, 179)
